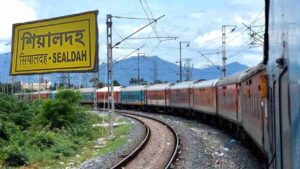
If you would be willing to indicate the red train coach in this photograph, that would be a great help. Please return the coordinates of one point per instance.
(40, 95)
(205, 100)
(180, 95)
(157, 95)
(252, 95)
(227, 96)
(102, 95)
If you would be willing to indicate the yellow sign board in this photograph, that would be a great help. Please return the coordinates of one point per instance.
(63, 44)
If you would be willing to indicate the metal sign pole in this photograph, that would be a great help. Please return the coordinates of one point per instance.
(40, 86)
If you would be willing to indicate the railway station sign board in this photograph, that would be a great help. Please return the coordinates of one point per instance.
(63, 44)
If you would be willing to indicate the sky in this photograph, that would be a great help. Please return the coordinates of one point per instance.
(198, 22)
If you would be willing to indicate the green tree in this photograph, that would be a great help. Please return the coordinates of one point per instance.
(116, 83)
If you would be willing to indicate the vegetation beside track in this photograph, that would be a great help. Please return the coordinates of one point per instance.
(51, 132)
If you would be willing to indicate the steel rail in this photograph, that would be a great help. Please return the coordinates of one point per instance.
(176, 139)
(135, 152)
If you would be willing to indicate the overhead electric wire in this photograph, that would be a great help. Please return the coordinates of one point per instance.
(153, 26)
(135, 18)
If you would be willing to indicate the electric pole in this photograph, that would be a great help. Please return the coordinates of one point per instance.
(224, 58)
(138, 68)
(187, 66)
(111, 105)
(180, 62)
(154, 71)
(69, 80)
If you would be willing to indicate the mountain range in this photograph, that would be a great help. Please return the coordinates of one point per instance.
(126, 69)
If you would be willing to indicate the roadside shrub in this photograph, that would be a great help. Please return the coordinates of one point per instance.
(18, 112)
(66, 147)
(42, 140)
(8, 131)
(16, 157)
(56, 114)
(70, 96)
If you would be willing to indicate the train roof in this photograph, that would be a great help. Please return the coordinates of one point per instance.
(251, 72)
(105, 89)
(41, 92)
(86, 89)
(158, 86)
(134, 88)
(230, 79)
(180, 85)
(207, 83)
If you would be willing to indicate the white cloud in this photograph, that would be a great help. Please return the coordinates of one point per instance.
(247, 3)
(234, 39)
(252, 59)
(15, 11)
(207, 39)
(239, 19)
(197, 15)
(102, 28)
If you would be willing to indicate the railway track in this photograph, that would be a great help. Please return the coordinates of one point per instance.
(157, 150)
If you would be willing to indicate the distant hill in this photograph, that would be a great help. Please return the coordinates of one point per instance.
(166, 71)
(125, 70)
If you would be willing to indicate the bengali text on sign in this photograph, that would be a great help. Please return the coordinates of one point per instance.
(64, 44)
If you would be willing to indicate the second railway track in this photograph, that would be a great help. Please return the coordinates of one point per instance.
(159, 148)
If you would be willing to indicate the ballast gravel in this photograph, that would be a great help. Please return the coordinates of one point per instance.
(205, 147)
(105, 161)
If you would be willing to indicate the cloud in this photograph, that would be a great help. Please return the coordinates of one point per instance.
(15, 11)
(247, 3)
(197, 15)
(207, 39)
(251, 59)
(102, 28)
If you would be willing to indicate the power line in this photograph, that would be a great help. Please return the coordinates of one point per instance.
(153, 27)
(135, 18)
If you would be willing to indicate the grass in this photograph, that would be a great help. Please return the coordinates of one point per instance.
(87, 151)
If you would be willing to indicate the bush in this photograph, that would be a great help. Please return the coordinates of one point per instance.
(56, 114)
(16, 157)
(62, 112)
(42, 140)
(66, 147)
(8, 131)
(70, 96)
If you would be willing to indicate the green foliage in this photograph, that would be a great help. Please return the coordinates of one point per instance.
(56, 114)
(41, 139)
(44, 130)
(16, 156)
(69, 96)
(8, 131)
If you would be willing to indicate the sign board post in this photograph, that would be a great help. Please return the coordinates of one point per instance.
(63, 44)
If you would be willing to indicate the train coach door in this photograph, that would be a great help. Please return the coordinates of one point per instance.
(279, 119)
(285, 120)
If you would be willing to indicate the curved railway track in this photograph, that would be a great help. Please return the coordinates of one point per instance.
(157, 150)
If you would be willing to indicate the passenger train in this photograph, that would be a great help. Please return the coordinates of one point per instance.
(262, 102)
